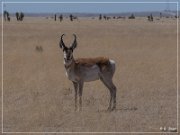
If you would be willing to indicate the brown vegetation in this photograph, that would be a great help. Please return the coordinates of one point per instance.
(39, 97)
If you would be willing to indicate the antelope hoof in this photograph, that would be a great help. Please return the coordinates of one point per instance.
(109, 109)
(114, 108)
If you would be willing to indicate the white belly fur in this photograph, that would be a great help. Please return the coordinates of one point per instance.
(91, 74)
(86, 74)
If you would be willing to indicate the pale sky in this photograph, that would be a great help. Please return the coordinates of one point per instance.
(88, 7)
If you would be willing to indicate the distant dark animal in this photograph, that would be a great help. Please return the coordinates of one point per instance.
(150, 18)
(132, 16)
(6, 16)
(39, 49)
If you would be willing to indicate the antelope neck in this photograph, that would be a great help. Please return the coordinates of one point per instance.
(69, 63)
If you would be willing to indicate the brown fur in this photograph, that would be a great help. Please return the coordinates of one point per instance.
(100, 61)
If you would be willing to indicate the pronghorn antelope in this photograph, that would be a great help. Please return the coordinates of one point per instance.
(88, 69)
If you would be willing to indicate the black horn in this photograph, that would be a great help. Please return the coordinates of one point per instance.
(74, 44)
(61, 43)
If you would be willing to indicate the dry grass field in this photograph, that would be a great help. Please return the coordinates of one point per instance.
(38, 97)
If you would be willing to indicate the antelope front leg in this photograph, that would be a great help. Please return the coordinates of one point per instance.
(81, 83)
(75, 89)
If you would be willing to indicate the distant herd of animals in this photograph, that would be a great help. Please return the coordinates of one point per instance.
(20, 16)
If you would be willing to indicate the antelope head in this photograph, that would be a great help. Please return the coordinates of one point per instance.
(68, 51)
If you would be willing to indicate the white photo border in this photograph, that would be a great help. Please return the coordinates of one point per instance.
(2, 4)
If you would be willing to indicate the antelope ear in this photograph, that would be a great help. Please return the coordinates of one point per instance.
(61, 43)
(74, 44)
